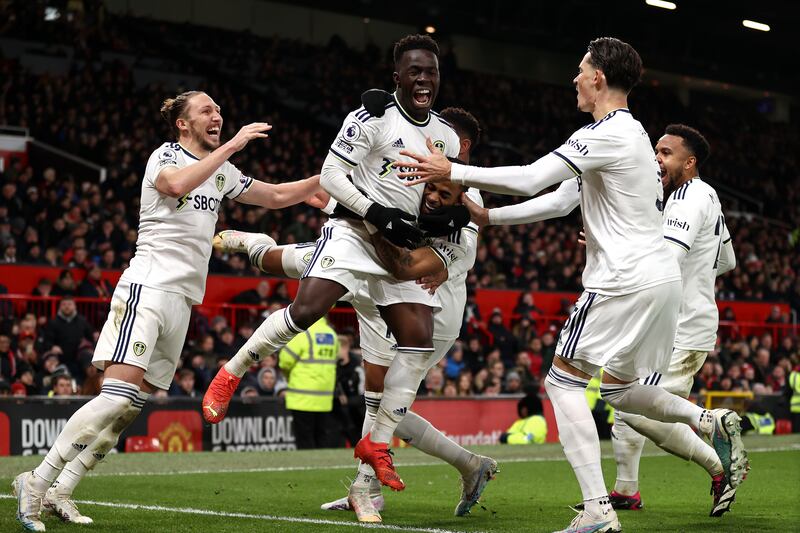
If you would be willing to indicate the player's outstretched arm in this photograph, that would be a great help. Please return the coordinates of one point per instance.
(176, 182)
(280, 195)
(525, 180)
(556, 204)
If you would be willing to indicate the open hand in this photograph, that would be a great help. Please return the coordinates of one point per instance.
(256, 130)
(434, 167)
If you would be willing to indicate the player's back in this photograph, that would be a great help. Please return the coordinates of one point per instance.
(621, 201)
(174, 241)
(693, 220)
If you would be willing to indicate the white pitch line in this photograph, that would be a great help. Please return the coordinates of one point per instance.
(267, 517)
(266, 469)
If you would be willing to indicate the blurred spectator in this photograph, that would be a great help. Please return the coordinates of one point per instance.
(433, 384)
(257, 296)
(183, 385)
(65, 286)
(66, 330)
(62, 385)
(512, 384)
(8, 360)
(502, 337)
(348, 405)
(454, 361)
(93, 285)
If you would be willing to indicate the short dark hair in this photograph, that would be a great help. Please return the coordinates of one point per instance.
(414, 42)
(692, 139)
(463, 121)
(174, 108)
(618, 60)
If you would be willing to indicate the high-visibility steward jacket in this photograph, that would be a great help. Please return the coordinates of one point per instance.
(310, 361)
(794, 384)
(531, 430)
(763, 424)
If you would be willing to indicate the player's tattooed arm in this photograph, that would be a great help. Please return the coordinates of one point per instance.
(406, 264)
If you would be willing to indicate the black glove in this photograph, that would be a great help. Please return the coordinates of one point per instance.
(375, 101)
(394, 224)
(444, 221)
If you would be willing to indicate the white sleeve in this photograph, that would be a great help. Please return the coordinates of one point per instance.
(586, 149)
(727, 257)
(556, 204)
(236, 182)
(354, 141)
(521, 180)
(683, 218)
(469, 243)
(462, 246)
(163, 157)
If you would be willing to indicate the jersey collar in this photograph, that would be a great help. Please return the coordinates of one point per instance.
(409, 117)
(187, 152)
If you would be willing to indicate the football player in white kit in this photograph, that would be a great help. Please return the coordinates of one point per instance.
(695, 226)
(450, 257)
(138, 349)
(366, 148)
(625, 321)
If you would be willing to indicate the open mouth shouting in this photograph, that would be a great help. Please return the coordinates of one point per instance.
(423, 97)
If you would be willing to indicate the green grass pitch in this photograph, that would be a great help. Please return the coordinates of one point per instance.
(282, 491)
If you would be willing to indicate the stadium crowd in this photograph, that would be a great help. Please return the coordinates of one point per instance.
(100, 112)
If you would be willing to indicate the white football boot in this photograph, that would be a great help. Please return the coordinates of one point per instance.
(60, 504)
(231, 241)
(29, 503)
(360, 502)
(586, 522)
(723, 428)
(473, 484)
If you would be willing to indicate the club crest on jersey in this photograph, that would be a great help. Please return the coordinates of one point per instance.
(139, 348)
(327, 261)
(219, 181)
(439, 145)
(351, 132)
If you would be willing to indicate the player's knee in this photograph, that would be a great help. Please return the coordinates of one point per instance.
(615, 395)
(305, 313)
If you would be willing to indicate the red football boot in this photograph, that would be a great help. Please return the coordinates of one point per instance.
(379, 457)
(218, 396)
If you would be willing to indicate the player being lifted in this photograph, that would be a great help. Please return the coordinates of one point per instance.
(365, 148)
(138, 349)
(695, 229)
(626, 318)
(448, 259)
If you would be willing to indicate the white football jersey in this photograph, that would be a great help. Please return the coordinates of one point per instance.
(175, 234)
(621, 202)
(367, 146)
(693, 220)
(453, 292)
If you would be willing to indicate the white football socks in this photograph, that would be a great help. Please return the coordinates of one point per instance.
(76, 469)
(677, 439)
(258, 244)
(420, 434)
(628, 446)
(399, 390)
(82, 429)
(654, 403)
(578, 436)
(269, 337)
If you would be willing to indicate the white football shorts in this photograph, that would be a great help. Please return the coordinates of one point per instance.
(146, 327)
(679, 377)
(629, 336)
